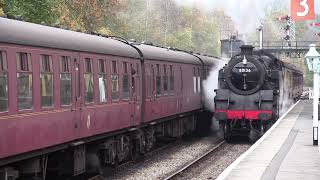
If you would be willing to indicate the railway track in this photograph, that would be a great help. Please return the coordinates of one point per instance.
(148, 154)
(192, 163)
(140, 158)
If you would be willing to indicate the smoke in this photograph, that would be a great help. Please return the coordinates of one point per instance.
(285, 102)
(211, 83)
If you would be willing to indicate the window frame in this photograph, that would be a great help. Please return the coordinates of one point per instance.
(148, 80)
(91, 69)
(158, 76)
(125, 72)
(19, 71)
(4, 53)
(137, 80)
(195, 83)
(53, 82)
(115, 72)
(153, 81)
(105, 74)
(199, 80)
(165, 80)
(69, 72)
(171, 83)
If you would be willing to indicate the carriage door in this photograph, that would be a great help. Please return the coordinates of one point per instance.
(135, 93)
(77, 94)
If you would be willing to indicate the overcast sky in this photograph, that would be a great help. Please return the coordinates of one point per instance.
(246, 13)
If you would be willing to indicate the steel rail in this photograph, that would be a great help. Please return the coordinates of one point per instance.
(187, 166)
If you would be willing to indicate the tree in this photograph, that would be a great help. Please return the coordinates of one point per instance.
(163, 23)
(89, 15)
(35, 11)
(2, 5)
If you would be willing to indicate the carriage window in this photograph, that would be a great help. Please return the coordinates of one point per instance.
(88, 81)
(199, 81)
(24, 81)
(133, 76)
(102, 81)
(153, 84)
(171, 79)
(194, 81)
(3, 82)
(165, 80)
(148, 80)
(46, 81)
(137, 80)
(114, 81)
(138, 69)
(125, 82)
(158, 81)
(65, 81)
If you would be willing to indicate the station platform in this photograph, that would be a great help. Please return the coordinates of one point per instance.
(286, 151)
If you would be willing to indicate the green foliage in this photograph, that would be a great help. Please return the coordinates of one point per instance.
(164, 23)
(89, 15)
(36, 11)
(2, 5)
(160, 22)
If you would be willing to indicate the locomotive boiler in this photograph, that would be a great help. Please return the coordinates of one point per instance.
(253, 89)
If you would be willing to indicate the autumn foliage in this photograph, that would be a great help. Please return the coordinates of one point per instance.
(160, 22)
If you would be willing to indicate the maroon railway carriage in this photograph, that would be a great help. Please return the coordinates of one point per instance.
(67, 98)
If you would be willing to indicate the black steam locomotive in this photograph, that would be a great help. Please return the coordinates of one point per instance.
(253, 88)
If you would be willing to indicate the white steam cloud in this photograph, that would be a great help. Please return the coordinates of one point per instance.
(211, 83)
(285, 100)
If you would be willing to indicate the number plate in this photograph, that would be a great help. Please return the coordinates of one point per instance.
(244, 70)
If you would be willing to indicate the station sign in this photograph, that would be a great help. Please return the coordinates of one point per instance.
(302, 10)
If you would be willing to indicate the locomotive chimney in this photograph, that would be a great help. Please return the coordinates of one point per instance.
(246, 50)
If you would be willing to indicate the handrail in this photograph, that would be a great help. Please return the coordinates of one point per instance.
(285, 45)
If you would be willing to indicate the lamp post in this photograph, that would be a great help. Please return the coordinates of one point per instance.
(313, 61)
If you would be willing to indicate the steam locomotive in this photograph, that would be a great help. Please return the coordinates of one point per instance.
(253, 88)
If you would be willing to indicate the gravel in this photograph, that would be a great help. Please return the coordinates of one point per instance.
(162, 163)
(212, 166)
(168, 160)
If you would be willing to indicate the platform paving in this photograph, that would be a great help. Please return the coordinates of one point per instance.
(285, 153)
